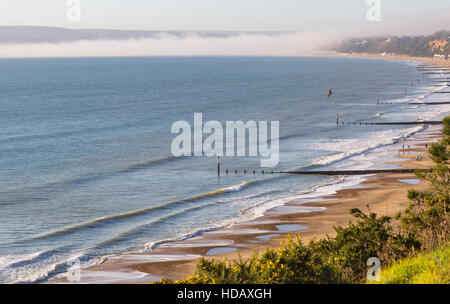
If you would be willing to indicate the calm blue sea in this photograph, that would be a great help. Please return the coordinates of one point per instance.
(86, 169)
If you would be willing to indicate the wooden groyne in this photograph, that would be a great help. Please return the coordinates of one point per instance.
(436, 73)
(416, 103)
(428, 103)
(428, 66)
(326, 172)
(398, 123)
(352, 172)
(436, 70)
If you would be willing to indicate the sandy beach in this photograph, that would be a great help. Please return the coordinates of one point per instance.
(314, 218)
(423, 60)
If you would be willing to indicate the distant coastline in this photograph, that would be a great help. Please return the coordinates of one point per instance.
(428, 60)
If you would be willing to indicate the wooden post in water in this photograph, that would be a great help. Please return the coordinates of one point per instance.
(218, 166)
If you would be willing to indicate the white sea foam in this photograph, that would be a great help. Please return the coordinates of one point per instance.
(316, 192)
(235, 188)
(35, 267)
(359, 145)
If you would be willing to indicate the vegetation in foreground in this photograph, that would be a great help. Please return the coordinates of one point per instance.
(416, 252)
(426, 268)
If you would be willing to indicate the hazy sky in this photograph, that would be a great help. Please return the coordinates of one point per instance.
(315, 24)
(398, 16)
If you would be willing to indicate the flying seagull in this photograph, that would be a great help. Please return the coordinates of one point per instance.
(330, 93)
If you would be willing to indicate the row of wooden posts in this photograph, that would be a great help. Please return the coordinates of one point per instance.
(337, 122)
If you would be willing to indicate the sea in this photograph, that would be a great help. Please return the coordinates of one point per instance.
(87, 171)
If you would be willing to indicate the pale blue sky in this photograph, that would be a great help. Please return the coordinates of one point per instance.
(296, 15)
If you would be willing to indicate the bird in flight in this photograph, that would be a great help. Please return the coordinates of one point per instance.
(330, 93)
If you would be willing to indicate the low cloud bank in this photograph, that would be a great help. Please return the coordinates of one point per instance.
(283, 44)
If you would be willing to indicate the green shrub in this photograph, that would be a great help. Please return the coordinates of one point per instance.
(371, 236)
(292, 263)
(341, 259)
(427, 268)
(427, 217)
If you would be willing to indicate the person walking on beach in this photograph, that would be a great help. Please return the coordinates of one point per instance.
(378, 99)
(337, 118)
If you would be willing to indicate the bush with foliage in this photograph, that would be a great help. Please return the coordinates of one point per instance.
(371, 236)
(341, 259)
(293, 262)
(426, 268)
(427, 216)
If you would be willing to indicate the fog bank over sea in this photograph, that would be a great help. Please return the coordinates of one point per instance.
(31, 41)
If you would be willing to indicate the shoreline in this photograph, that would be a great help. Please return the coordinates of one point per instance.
(310, 218)
(427, 60)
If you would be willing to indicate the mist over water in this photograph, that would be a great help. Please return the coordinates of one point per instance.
(189, 44)
(86, 165)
